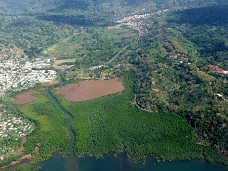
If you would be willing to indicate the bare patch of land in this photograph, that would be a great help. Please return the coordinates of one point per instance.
(217, 70)
(49, 83)
(90, 89)
(60, 61)
(22, 160)
(25, 98)
(113, 27)
(20, 150)
(15, 164)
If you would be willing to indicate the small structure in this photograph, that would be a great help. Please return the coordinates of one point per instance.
(219, 95)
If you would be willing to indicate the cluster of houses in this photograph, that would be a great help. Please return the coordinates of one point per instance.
(95, 67)
(11, 129)
(138, 22)
(17, 74)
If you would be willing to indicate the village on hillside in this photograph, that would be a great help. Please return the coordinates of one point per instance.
(12, 127)
(18, 73)
(138, 22)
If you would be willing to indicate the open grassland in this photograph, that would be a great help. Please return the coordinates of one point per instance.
(111, 124)
(50, 134)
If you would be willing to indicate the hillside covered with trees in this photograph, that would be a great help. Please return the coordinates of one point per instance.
(170, 54)
(185, 71)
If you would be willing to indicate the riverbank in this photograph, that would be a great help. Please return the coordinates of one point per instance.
(50, 132)
(23, 160)
(111, 124)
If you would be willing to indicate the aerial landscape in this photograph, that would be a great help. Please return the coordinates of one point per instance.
(122, 85)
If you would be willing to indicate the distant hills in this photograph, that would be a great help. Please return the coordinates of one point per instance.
(35, 6)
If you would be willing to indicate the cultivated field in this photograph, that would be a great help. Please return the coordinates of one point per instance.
(90, 89)
(25, 98)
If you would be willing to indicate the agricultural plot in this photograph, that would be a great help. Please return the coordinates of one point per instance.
(90, 89)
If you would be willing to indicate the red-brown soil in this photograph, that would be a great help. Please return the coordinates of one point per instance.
(20, 150)
(25, 98)
(217, 70)
(90, 89)
(22, 160)
(15, 164)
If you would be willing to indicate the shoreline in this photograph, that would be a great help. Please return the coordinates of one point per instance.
(24, 159)
(27, 158)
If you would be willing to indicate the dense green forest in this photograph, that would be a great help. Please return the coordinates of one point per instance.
(176, 74)
(165, 136)
(139, 133)
(51, 134)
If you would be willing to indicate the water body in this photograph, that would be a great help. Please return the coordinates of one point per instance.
(119, 163)
(122, 163)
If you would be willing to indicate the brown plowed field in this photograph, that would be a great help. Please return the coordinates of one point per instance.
(25, 98)
(90, 89)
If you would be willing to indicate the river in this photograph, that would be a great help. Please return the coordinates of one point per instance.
(119, 163)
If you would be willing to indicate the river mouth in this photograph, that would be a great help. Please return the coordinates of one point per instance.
(119, 163)
(122, 163)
